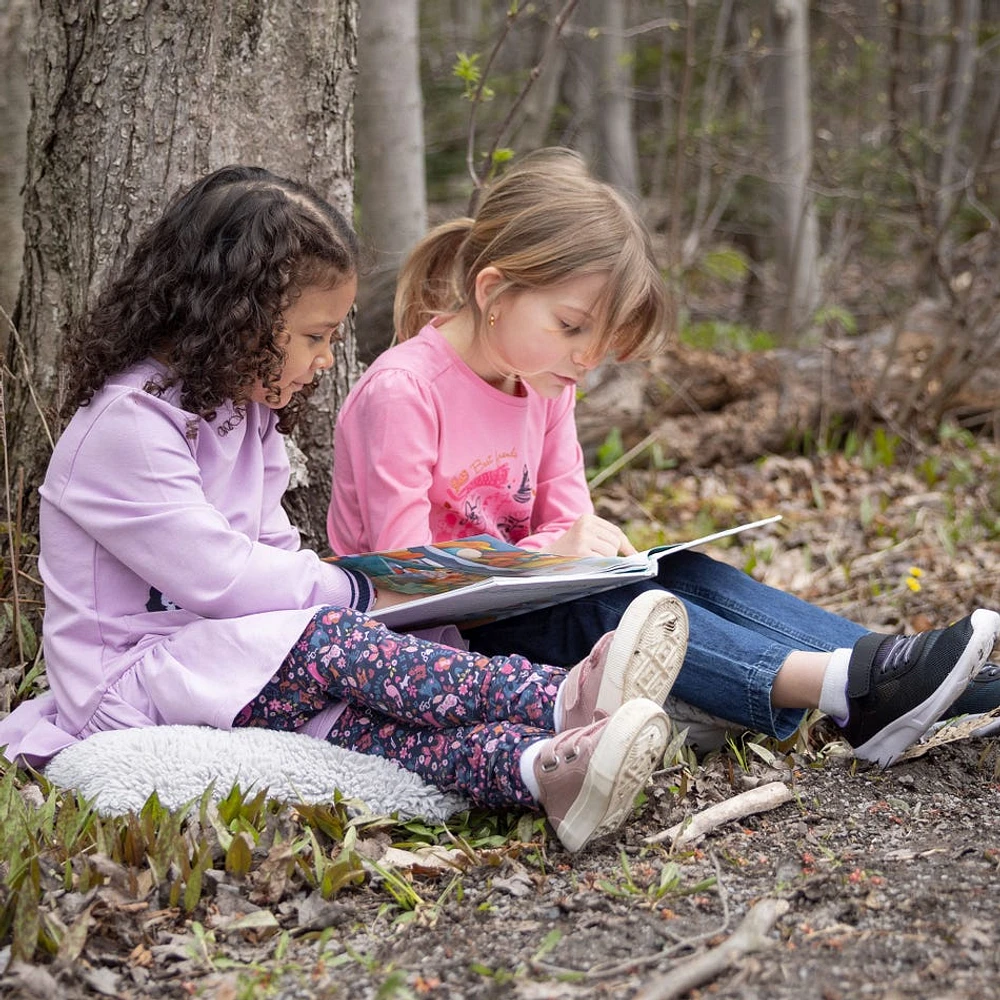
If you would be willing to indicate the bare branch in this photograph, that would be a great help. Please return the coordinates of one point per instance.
(480, 175)
(751, 935)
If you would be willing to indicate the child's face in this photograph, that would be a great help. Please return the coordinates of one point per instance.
(312, 324)
(549, 336)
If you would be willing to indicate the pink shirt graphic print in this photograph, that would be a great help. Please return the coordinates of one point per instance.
(495, 501)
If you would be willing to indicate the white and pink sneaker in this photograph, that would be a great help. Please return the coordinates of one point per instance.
(640, 659)
(589, 777)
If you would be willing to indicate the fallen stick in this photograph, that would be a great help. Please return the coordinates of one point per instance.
(751, 935)
(693, 828)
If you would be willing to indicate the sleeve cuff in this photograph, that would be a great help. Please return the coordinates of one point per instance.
(362, 590)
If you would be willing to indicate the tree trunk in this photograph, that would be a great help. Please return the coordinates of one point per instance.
(795, 224)
(131, 103)
(955, 108)
(933, 28)
(16, 27)
(466, 22)
(540, 104)
(579, 85)
(618, 160)
(390, 137)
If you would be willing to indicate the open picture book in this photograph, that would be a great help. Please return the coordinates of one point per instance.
(482, 578)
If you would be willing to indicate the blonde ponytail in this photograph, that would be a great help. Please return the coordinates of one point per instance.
(429, 281)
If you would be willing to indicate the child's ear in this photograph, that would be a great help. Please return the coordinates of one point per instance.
(486, 283)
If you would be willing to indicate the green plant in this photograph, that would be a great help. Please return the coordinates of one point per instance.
(879, 450)
(652, 889)
(54, 846)
(611, 449)
(836, 316)
(394, 985)
(499, 976)
(726, 264)
(744, 746)
(468, 70)
(717, 335)
(330, 874)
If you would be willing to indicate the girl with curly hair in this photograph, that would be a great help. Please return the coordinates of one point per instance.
(176, 590)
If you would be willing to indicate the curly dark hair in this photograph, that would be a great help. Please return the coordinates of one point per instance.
(205, 288)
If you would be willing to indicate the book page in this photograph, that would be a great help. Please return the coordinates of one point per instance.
(487, 596)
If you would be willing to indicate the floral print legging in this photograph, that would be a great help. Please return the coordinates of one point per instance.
(460, 720)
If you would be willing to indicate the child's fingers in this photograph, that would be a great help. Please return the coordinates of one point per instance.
(608, 539)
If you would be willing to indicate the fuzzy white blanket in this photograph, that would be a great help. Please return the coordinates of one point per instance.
(119, 770)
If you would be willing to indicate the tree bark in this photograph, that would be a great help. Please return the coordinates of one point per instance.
(579, 85)
(955, 108)
(390, 138)
(129, 104)
(16, 27)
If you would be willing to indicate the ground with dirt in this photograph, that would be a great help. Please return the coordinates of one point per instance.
(868, 883)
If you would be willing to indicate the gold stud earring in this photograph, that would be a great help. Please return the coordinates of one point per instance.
(492, 320)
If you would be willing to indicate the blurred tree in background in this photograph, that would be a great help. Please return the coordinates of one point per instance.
(808, 168)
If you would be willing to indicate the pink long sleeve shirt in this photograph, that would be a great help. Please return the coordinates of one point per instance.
(426, 450)
(174, 582)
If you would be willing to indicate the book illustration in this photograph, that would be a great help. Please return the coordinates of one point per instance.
(484, 578)
(444, 566)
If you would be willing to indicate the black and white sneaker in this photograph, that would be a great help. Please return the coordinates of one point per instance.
(898, 686)
(982, 694)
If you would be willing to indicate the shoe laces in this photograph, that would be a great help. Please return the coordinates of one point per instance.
(898, 655)
(566, 746)
(549, 764)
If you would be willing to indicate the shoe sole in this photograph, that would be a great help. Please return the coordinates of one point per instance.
(890, 742)
(646, 652)
(629, 749)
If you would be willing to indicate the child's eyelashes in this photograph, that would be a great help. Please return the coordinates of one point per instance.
(332, 336)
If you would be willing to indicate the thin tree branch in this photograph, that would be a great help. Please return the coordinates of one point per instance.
(477, 98)
(751, 935)
(479, 176)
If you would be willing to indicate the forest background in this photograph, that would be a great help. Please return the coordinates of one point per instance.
(822, 181)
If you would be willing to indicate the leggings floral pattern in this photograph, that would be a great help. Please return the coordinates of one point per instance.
(458, 719)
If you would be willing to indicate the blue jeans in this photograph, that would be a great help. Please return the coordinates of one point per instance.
(741, 633)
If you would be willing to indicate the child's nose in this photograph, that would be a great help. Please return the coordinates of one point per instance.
(324, 359)
(588, 354)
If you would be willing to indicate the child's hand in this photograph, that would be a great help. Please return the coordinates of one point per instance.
(593, 536)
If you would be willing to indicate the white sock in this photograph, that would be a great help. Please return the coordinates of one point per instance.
(833, 696)
(528, 756)
(557, 709)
